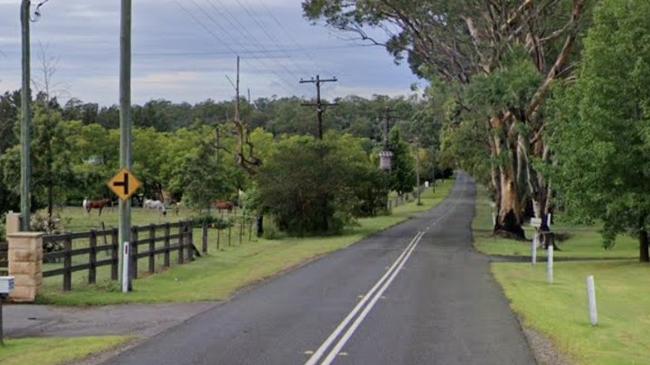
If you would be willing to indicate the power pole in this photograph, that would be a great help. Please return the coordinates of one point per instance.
(235, 86)
(237, 111)
(417, 169)
(26, 120)
(125, 122)
(387, 117)
(320, 106)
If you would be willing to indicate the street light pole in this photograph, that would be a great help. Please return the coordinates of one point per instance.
(26, 120)
(125, 123)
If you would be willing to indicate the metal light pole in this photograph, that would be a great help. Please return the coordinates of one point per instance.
(125, 121)
(26, 120)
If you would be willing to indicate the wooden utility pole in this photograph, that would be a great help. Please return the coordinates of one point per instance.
(26, 120)
(320, 106)
(125, 122)
(417, 169)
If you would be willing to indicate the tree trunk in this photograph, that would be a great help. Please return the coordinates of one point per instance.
(503, 149)
(509, 219)
(260, 225)
(643, 246)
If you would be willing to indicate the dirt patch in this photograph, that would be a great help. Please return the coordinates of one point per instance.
(544, 349)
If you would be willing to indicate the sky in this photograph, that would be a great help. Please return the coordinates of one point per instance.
(183, 50)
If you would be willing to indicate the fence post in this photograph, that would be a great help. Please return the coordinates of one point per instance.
(134, 253)
(67, 263)
(181, 246)
(189, 231)
(115, 251)
(92, 270)
(229, 232)
(219, 236)
(204, 237)
(241, 230)
(250, 229)
(167, 234)
(152, 248)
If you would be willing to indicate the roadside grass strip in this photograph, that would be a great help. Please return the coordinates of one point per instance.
(560, 311)
(218, 275)
(55, 350)
(581, 242)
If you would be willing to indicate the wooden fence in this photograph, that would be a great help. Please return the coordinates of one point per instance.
(147, 242)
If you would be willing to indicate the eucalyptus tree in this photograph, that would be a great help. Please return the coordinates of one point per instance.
(517, 49)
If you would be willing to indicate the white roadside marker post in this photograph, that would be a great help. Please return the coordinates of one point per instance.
(534, 249)
(537, 224)
(591, 293)
(125, 267)
(549, 265)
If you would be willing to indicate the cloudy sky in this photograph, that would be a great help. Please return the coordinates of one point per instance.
(184, 48)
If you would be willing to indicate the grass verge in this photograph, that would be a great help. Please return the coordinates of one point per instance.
(581, 242)
(221, 273)
(560, 311)
(55, 350)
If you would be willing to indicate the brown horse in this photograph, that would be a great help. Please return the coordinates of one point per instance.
(96, 204)
(224, 205)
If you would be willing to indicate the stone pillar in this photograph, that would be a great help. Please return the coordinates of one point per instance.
(12, 223)
(26, 264)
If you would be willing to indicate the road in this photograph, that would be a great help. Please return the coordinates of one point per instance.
(415, 294)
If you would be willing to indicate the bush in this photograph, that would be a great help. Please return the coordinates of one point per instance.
(310, 186)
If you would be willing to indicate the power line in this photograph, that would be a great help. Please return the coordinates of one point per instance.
(252, 14)
(265, 62)
(236, 24)
(214, 35)
(290, 36)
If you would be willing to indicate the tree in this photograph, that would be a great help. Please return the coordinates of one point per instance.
(458, 41)
(402, 174)
(308, 185)
(601, 134)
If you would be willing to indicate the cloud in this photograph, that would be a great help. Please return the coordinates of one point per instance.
(184, 55)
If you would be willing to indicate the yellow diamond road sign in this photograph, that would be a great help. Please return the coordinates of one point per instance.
(124, 184)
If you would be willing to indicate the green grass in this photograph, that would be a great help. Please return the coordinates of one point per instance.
(75, 219)
(55, 350)
(582, 242)
(221, 273)
(560, 310)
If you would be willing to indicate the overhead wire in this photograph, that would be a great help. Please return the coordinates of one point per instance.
(253, 15)
(221, 41)
(232, 20)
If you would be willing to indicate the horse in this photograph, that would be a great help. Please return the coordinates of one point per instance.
(89, 205)
(155, 204)
(224, 205)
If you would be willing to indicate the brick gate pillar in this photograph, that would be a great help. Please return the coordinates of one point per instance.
(25, 263)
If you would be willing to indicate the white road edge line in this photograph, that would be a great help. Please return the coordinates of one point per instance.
(337, 348)
(321, 350)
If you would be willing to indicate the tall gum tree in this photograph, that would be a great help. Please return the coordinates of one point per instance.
(459, 40)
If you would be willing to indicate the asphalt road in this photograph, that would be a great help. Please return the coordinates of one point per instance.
(399, 297)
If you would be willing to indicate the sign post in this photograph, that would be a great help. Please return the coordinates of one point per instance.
(125, 268)
(124, 184)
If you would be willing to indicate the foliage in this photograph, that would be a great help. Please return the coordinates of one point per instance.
(402, 174)
(309, 185)
(601, 124)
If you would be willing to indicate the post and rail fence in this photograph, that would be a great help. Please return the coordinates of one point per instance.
(148, 242)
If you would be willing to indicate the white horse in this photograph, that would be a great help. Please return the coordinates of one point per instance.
(155, 204)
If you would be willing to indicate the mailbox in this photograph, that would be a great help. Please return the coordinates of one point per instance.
(7, 285)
